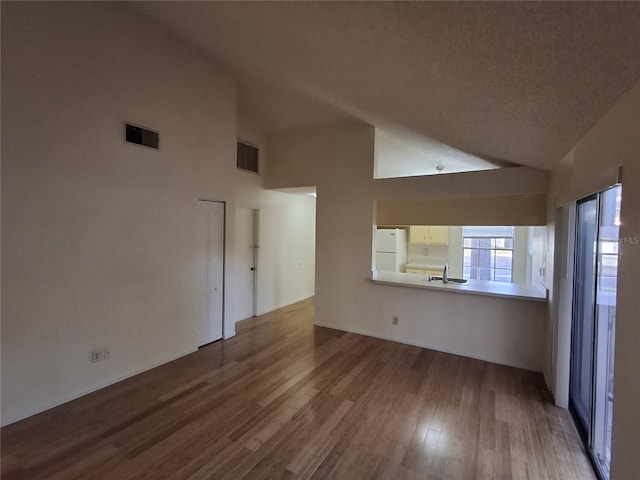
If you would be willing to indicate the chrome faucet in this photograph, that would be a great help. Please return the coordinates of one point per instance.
(445, 273)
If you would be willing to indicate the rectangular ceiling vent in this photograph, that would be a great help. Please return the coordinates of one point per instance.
(247, 158)
(141, 136)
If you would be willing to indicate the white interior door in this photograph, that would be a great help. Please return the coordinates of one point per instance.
(245, 251)
(210, 251)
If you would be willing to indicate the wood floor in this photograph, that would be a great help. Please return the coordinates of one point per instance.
(284, 399)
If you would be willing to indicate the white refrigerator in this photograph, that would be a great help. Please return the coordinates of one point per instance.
(391, 249)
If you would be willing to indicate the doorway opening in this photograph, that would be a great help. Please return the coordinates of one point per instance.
(247, 227)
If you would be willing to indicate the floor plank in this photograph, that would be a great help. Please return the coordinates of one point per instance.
(287, 400)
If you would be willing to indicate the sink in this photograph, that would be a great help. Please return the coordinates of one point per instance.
(451, 280)
(458, 280)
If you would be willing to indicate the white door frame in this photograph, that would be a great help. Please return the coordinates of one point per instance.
(256, 253)
(246, 256)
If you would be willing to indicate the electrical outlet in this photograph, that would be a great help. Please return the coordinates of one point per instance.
(100, 354)
(96, 355)
(394, 320)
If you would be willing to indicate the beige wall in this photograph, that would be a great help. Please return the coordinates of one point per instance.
(504, 181)
(339, 160)
(589, 167)
(99, 235)
(490, 210)
(285, 268)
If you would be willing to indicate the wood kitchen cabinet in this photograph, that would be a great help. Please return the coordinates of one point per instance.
(429, 234)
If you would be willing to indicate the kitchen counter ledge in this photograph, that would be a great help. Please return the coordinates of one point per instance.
(474, 287)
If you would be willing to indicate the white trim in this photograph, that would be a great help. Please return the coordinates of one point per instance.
(425, 345)
(561, 313)
(95, 387)
(200, 200)
(272, 309)
(232, 331)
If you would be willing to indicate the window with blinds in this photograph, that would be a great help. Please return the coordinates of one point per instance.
(488, 253)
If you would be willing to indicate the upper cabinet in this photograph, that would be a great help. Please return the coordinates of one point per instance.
(418, 234)
(429, 234)
(439, 235)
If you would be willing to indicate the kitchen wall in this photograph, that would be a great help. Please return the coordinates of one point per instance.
(98, 235)
(520, 255)
(455, 248)
(338, 159)
(590, 166)
(436, 254)
(431, 251)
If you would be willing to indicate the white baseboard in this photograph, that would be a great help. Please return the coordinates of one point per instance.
(230, 331)
(286, 304)
(425, 345)
(93, 388)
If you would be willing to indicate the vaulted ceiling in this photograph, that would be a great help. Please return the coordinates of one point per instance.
(504, 82)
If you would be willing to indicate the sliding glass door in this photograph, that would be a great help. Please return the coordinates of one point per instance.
(593, 328)
(606, 282)
(582, 354)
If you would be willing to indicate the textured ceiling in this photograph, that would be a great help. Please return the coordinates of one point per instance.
(402, 154)
(516, 82)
